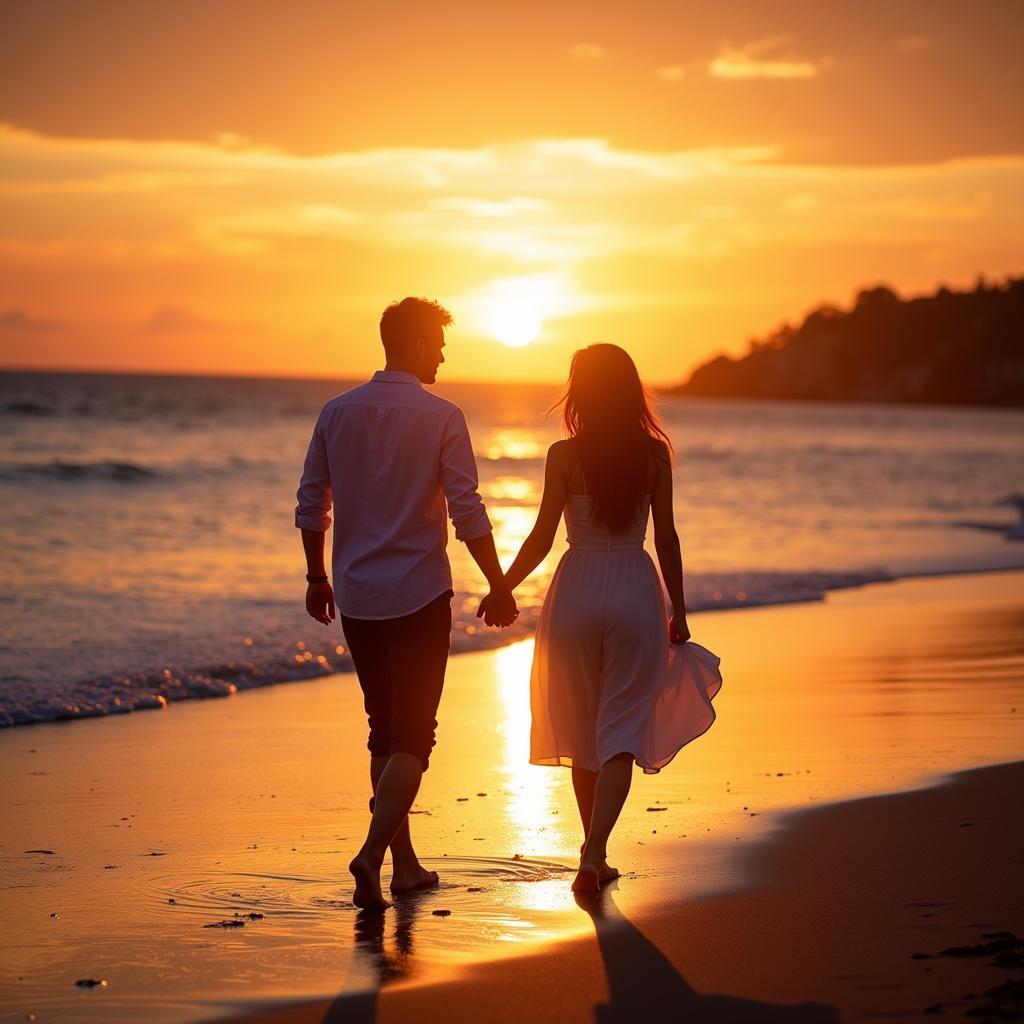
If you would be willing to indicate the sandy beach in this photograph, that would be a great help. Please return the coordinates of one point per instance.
(847, 917)
(193, 858)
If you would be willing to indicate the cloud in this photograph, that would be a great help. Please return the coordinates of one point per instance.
(935, 208)
(19, 320)
(913, 43)
(491, 208)
(587, 51)
(756, 60)
(253, 213)
(171, 319)
(671, 73)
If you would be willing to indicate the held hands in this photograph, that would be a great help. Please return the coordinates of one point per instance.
(320, 602)
(498, 608)
(678, 631)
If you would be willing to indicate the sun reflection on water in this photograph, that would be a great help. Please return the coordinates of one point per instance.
(514, 443)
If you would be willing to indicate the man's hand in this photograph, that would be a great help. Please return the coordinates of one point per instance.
(320, 602)
(498, 608)
(678, 630)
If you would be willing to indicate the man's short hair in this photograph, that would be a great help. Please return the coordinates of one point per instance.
(403, 322)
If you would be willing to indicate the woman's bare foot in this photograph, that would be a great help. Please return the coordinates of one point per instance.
(413, 881)
(367, 895)
(606, 873)
(587, 881)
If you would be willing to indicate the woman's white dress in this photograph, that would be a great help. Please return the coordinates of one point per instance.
(606, 679)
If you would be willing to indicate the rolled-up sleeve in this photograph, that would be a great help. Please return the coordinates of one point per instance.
(459, 481)
(315, 497)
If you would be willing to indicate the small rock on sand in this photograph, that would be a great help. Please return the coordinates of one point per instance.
(441, 913)
(225, 924)
(92, 983)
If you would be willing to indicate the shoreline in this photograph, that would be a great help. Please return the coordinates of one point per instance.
(730, 956)
(215, 682)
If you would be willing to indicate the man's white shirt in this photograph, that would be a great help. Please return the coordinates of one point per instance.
(389, 455)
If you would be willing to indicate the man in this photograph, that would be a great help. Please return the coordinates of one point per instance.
(389, 455)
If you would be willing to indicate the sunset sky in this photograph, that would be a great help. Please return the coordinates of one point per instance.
(242, 187)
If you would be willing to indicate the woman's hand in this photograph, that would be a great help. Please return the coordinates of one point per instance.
(498, 608)
(678, 631)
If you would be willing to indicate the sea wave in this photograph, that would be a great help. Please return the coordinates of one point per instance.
(119, 472)
(110, 471)
(1011, 531)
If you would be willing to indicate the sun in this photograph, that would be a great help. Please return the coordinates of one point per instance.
(513, 323)
(515, 310)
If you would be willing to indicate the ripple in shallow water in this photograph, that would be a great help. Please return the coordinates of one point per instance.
(491, 899)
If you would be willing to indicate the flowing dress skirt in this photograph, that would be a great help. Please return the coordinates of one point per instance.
(605, 678)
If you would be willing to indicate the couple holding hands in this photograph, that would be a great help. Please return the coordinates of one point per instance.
(614, 680)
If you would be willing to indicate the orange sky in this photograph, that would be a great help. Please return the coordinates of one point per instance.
(242, 187)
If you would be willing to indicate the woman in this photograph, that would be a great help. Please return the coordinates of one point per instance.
(613, 681)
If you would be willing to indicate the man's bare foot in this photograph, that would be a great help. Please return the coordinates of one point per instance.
(413, 881)
(587, 881)
(367, 895)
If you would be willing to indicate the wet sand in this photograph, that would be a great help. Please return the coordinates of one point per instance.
(124, 838)
(847, 918)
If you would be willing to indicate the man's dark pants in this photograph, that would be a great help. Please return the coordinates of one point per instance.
(400, 664)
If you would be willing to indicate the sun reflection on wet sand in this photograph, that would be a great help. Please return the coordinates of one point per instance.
(535, 809)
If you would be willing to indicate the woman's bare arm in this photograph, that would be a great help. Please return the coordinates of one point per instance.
(666, 543)
(542, 536)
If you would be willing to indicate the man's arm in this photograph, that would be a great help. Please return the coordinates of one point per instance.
(319, 595)
(469, 517)
(312, 517)
(499, 605)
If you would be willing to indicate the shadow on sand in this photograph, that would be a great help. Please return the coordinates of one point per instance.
(642, 982)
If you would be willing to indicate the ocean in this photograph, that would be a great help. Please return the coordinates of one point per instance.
(150, 551)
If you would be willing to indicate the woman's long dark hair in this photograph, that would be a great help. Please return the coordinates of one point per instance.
(608, 411)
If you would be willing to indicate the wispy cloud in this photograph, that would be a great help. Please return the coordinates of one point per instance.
(491, 208)
(342, 220)
(930, 209)
(671, 73)
(587, 51)
(19, 320)
(172, 319)
(770, 57)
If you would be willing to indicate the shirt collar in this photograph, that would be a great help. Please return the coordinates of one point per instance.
(396, 377)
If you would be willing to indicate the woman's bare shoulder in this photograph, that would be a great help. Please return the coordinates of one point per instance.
(660, 449)
(660, 460)
(560, 451)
